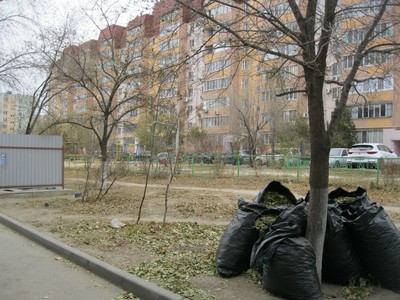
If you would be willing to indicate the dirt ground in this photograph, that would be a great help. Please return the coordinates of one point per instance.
(200, 201)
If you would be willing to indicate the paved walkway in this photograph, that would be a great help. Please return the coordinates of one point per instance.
(30, 272)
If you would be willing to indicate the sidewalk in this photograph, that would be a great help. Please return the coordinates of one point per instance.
(14, 263)
(30, 272)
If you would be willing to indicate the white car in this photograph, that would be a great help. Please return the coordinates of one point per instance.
(367, 155)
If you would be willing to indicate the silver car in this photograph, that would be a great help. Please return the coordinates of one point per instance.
(338, 157)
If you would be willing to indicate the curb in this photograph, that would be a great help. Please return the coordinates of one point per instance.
(139, 287)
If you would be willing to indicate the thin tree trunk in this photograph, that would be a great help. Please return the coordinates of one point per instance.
(319, 175)
(145, 191)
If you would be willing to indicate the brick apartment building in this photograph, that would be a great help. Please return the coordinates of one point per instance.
(197, 69)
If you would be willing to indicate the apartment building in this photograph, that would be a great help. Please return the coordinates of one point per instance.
(189, 67)
(374, 98)
(14, 112)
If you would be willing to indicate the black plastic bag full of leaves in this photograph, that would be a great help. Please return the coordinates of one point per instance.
(377, 241)
(234, 249)
(341, 263)
(275, 194)
(289, 270)
(291, 222)
(349, 200)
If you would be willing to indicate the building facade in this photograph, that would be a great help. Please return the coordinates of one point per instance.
(187, 66)
(14, 112)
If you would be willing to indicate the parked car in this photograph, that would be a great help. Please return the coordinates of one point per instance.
(202, 158)
(273, 158)
(243, 158)
(338, 157)
(367, 154)
(163, 158)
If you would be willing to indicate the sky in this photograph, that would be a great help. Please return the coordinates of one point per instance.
(84, 16)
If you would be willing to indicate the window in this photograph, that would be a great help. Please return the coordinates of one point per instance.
(191, 28)
(245, 64)
(171, 16)
(291, 95)
(170, 28)
(277, 10)
(220, 28)
(373, 58)
(216, 84)
(169, 45)
(133, 113)
(214, 121)
(130, 127)
(219, 10)
(269, 56)
(336, 92)
(289, 115)
(168, 60)
(336, 69)
(292, 26)
(244, 84)
(370, 136)
(246, 26)
(168, 93)
(217, 65)
(167, 77)
(221, 46)
(371, 111)
(290, 71)
(215, 102)
(135, 29)
(266, 117)
(268, 95)
(356, 35)
(288, 49)
(373, 85)
(384, 29)
(191, 43)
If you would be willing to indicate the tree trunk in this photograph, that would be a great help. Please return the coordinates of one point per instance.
(103, 167)
(319, 173)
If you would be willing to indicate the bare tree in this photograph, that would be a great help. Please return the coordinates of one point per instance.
(107, 85)
(12, 59)
(45, 53)
(305, 40)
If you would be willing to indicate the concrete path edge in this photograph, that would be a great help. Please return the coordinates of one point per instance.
(139, 287)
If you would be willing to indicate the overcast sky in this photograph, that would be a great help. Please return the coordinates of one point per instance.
(54, 13)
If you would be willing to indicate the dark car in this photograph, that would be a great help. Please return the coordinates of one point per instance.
(242, 158)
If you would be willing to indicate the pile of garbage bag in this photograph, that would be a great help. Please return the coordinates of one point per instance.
(268, 234)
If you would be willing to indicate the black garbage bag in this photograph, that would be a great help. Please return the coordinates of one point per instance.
(349, 200)
(377, 241)
(289, 270)
(234, 249)
(296, 214)
(275, 194)
(340, 263)
(291, 222)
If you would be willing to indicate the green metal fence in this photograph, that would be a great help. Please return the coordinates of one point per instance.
(283, 168)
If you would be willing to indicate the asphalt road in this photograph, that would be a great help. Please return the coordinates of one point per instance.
(30, 272)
